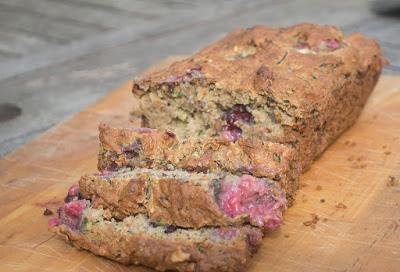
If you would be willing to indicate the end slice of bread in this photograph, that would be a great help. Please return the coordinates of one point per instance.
(136, 240)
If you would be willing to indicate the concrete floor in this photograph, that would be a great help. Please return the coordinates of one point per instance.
(58, 56)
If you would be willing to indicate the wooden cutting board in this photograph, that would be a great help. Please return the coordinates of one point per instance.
(346, 217)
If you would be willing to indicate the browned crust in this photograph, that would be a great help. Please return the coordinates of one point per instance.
(272, 44)
(123, 198)
(162, 150)
(161, 254)
(325, 92)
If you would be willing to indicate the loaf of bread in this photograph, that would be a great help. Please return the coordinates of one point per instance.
(135, 240)
(151, 148)
(225, 134)
(302, 85)
(189, 200)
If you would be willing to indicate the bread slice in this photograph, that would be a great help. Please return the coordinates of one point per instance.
(151, 148)
(136, 240)
(190, 200)
(302, 85)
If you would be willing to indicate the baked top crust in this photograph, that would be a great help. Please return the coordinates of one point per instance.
(301, 64)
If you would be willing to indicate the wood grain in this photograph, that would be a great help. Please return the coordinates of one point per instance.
(348, 190)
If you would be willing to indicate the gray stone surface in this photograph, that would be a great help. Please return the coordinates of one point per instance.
(58, 56)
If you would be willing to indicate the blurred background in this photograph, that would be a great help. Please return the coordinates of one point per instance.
(58, 56)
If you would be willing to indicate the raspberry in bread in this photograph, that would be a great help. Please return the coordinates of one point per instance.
(135, 240)
(187, 199)
(151, 148)
(302, 85)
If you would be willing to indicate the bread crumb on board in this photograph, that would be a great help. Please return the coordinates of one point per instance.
(392, 181)
(313, 222)
(47, 212)
(340, 205)
(357, 163)
(303, 185)
(350, 143)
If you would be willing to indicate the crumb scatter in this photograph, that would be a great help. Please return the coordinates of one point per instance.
(359, 163)
(312, 222)
(47, 212)
(340, 205)
(350, 143)
(392, 181)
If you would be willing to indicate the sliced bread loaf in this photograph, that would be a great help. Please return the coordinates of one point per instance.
(151, 148)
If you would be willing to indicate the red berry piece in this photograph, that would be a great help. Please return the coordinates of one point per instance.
(73, 190)
(239, 113)
(231, 132)
(227, 232)
(333, 44)
(53, 222)
(74, 208)
(256, 198)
